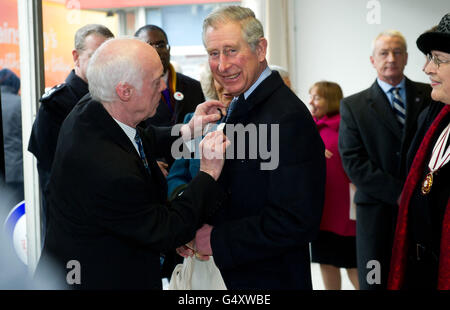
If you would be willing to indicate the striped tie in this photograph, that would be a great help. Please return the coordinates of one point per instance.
(138, 141)
(398, 105)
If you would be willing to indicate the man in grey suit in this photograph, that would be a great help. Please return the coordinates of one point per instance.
(377, 126)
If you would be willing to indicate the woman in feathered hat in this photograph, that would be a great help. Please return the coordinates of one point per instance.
(421, 252)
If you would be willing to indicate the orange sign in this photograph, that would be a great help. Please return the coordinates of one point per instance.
(59, 27)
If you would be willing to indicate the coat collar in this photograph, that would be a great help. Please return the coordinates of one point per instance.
(257, 97)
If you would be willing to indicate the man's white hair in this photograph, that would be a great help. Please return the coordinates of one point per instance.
(390, 33)
(109, 66)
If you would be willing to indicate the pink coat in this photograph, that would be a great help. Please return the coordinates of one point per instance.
(336, 211)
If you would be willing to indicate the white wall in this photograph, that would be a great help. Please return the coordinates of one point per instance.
(333, 39)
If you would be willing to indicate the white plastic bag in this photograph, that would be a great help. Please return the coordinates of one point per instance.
(195, 274)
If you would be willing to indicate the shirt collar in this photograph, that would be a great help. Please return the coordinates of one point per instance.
(130, 132)
(386, 87)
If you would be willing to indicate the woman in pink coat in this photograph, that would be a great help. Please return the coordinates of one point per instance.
(335, 246)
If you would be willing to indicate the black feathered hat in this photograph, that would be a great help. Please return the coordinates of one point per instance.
(438, 39)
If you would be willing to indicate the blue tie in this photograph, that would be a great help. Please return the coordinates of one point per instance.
(398, 106)
(232, 106)
(138, 141)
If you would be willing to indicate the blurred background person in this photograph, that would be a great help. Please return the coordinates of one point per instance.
(376, 129)
(57, 103)
(182, 94)
(335, 246)
(421, 252)
(284, 74)
(12, 134)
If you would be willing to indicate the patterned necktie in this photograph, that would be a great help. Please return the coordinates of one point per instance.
(138, 141)
(232, 106)
(398, 106)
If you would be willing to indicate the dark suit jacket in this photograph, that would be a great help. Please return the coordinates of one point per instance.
(107, 212)
(192, 96)
(373, 149)
(372, 144)
(261, 238)
(56, 104)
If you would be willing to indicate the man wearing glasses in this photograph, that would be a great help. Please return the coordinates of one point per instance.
(376, 130)
(183, 93)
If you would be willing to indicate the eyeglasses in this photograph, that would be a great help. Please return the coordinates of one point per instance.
(160, 45)
(436, 60)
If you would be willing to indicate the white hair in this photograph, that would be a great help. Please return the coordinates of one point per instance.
(110, 66)
(390, 33)
(281, 70)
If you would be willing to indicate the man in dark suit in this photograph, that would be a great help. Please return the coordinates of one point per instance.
(57, 103)
(260, 239)
(377, 126)
(108, 216)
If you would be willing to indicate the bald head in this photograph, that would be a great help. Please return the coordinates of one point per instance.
(125, 75)
(119, 61)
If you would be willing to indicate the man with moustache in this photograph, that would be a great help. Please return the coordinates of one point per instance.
(376, 130)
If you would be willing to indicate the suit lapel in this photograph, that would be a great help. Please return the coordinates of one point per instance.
(381, 107)
(259, 95)
(113, 129)
(414, 101)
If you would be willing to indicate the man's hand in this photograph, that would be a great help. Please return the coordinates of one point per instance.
(205, 113)
(163, 167)
(328, 154)
(212, 149)
(186, 250)
(203, 242)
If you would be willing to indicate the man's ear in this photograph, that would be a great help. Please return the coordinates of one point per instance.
(372, 61)
(261, 49)
(75, 57)
(124, 91)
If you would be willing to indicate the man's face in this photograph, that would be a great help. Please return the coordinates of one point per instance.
(439, 77)
(81, 57)
(389, 59)
(233, 64)
(156, 39)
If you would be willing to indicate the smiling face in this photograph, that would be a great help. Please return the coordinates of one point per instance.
(389, 59)
(439, 77)
(319, 106)
(232, 61)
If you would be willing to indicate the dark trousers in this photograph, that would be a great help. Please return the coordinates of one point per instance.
(375, 226)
